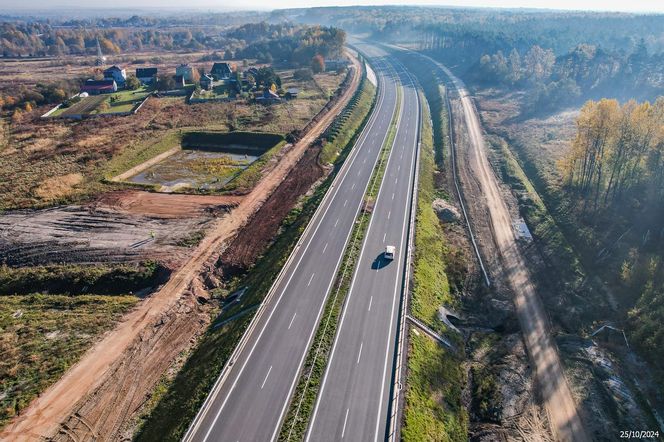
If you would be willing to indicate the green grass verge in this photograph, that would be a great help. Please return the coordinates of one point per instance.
(430, 285)
(304, 397)
(177, 401)
(74, 279)
(135, 154)
(42, 335)
(433, 408)
(249, 177)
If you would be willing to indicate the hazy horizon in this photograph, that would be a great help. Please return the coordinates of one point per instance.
(638, 6)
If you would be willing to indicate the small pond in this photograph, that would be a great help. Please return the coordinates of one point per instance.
(196, 168)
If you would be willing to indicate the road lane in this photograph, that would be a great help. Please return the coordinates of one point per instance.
(250, 399)
(353, 403)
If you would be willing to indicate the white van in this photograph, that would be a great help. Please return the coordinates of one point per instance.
(389, 252)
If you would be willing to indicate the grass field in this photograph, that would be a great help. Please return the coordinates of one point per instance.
(122, 101)
(119, 102)
(41, 335)
(83, 107)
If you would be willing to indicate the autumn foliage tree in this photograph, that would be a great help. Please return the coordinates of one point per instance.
(618, 152)
(318, 64)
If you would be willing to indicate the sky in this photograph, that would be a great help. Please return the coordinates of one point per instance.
(595, 5)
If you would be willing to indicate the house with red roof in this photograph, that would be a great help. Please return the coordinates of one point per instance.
(96, 87)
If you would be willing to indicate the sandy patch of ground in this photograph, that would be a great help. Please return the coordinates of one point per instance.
(166, 205)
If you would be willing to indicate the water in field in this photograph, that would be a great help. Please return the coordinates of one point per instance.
(199, 169)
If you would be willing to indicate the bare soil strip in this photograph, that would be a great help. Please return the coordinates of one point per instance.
(166, 205)
(482, 188)
(97, 396)
(146, 164)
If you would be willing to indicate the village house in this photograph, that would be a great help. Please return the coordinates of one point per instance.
(96, 87)
(207, 82)
(179, 81)
(221, 71)
(268, 97)
(186, 72)
(146, 75)
(291, 93)
(117, 74)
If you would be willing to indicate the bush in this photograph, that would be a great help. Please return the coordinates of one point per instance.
(305, 74)
(132, 83)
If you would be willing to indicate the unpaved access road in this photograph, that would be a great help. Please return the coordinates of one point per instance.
(561, 408)
(91, 391)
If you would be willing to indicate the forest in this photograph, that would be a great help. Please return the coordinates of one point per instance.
(585, 72)
(615, 171)
(291, 42)
(559, 58)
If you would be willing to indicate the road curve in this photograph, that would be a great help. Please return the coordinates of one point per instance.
(354, 399)
(250, 399)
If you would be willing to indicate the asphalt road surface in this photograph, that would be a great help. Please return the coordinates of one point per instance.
(251, 398)
(353, 403)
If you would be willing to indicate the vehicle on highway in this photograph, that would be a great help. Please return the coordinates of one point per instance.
(389, 252)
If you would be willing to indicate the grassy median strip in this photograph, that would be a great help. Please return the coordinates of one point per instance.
(176, 401)
(308, 387)
(435, 377)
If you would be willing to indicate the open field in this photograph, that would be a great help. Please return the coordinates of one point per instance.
(154, 336)
(43, 335)
(42, 154)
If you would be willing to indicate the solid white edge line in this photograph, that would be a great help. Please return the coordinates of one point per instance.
(343, 431)
(350, 291)
(316, 218)
(290, 392)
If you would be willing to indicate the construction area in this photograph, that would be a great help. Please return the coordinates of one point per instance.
(143, 216)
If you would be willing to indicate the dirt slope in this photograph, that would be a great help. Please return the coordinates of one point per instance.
(477, 173)
(97, 396)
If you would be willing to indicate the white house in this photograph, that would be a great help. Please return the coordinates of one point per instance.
(186, 71)
(117, 74)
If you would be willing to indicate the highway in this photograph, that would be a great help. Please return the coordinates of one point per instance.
(250, 398)
(354, 400)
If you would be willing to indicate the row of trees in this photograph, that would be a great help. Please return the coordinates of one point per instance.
(289, 42)
(537, 65)
(617, 153)
(585, 71)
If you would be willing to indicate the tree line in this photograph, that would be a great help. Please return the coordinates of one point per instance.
(617, 154)
(614, 176)
(586, 71)
(281, 41)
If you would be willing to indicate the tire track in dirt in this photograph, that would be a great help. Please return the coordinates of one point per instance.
(98, 395)
(561, 408)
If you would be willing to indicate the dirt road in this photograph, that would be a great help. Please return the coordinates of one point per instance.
(555, 391)
(96, 397)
